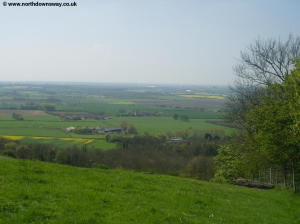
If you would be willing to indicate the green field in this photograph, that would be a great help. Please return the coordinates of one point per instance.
(63, 143)
(51, 126)
(36, 192)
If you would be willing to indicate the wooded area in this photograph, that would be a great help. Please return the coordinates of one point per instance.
(266, 105)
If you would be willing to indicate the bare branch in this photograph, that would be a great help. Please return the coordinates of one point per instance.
(268, 61)
(263, 63)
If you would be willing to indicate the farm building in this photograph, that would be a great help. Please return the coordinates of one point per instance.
(94, 130)
(113, 130)
(70, 129)
(176, 140)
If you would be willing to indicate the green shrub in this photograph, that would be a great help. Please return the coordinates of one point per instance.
(200, 167)
(227, 163)
(99, 166)
(23, 152)
(9, 152)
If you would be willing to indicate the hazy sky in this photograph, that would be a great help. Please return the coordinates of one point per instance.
(143, 41)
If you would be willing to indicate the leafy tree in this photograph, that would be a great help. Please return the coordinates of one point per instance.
(17, 117)
(11, 145)
(228, 163)
(47, 107)
(184, 118)
(208, 136)
(175, 116)
(124, 126)
(128, 128)
(200, 167)
(131, 129)
(275, 126)
(23, 152)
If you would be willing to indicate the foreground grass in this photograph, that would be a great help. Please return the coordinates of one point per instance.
(37, 192)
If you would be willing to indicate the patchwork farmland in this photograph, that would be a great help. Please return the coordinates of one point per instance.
(47, 112)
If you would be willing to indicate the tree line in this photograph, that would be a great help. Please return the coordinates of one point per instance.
(265, 104)
(153, 154)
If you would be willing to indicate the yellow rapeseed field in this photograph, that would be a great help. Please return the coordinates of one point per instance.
(14, 138)
(44, 138)
(79, 140)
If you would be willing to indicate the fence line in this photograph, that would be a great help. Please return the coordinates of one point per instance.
(286, 178)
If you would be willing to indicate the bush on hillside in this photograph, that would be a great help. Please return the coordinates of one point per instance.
(200, 167)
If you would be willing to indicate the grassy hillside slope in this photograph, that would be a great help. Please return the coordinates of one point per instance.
(37, 192)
